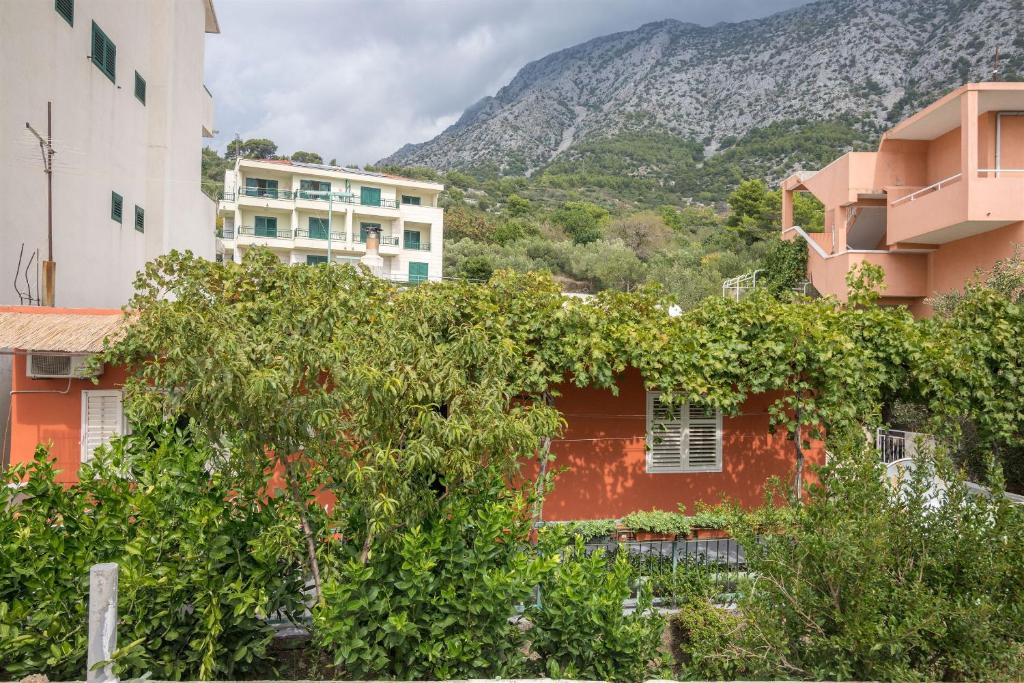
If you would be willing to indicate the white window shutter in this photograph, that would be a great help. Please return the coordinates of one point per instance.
(664, 435)
(102, 419)
(686, 438)
(703, 440)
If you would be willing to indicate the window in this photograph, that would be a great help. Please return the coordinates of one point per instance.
(116, 207)
(364, 229)
(140, 88)
(315, 260)
(260, 187)
(318, 228)
(410, 199)
(314, 189)
(66, 8)
(418, 272)
(266, 226)
(411, 239)
(682, 438)
(369, 196)
(140, 219)
(104, 53)
(102, 419)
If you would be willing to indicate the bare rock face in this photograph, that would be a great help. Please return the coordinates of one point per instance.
(877, 60)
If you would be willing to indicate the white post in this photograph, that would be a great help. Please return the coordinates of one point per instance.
(102, 622)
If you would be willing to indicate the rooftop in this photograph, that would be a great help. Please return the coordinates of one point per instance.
(344, 169)
(62, 330)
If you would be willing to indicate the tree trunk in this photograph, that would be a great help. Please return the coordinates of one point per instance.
(798, 482)
(545, 447)
(307, 531)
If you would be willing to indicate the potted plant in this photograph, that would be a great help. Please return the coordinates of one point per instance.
(594, 531)
(656, 525)
(708, 523)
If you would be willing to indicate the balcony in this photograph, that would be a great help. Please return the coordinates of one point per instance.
(417, 246)
(310, 195)
(956, 207)
(278, 233)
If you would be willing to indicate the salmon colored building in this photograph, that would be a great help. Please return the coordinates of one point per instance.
(53, 402)
(618, 454)
(941, 198)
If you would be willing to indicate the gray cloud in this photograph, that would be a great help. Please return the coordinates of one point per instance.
(356, 79)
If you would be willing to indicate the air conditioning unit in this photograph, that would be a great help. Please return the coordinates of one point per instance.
(58, 366)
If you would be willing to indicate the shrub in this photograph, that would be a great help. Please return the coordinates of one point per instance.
(200, 567)
(875, 582)
(657, 521)
(434, 602)
(703, 632)
(579, 629)
(590, 529)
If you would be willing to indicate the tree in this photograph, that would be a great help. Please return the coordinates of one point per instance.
(307, 157)
(645, 233)
(517, 206)
(253, 148)
(338, 381)
(582, 221)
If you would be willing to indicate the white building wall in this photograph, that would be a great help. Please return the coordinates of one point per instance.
(106, 141)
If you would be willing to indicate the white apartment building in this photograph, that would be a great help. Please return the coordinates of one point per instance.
(312, 213)
(129, 113)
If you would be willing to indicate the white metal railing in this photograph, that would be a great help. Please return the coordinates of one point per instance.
(735, 287)
(896, 444)
(925, 190)
(983, 172)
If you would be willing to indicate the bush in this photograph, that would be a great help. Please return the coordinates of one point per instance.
(875, 582)
(579, 629)
(200, 567)
(434, 602)
(702, 633)
(657, 521)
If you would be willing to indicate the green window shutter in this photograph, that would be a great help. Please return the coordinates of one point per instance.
(412, 239)
(418, 272)
(140, 219)
(314, 259)
(410, 199)
(66, 8)
(116, 207)
(266, 226)
(140, 88)
(104, 52)
(317, 228)
(369, 196)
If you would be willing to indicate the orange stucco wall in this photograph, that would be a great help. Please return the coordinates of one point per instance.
(603, 453)
(52, 415)
(954, 263)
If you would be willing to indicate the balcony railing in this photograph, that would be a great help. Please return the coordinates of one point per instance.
(313, 195)
(226, 233)
(274, 233)
(389, 240)
(997, 172)
(896, 444)
(308, 234)
(926, 190)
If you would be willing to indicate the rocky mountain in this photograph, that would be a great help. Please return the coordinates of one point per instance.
(867, 61)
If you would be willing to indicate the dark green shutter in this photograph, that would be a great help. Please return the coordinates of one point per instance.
(66, 8)
(140, 219)
(314, 259)
(116, 207)
(317, 228)
(412, 239)
(369, 196)
(140, 88)
(104, 52)
(410, 199)
(266, 226)
(418, 272)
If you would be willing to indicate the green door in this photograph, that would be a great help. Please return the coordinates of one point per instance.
(317, 228)
(412, 239)
(314, 189)
(369, 196)
(417, 272)
(266, 226)
(260, 187)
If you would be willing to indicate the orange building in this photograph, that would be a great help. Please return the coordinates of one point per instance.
(941, 198)
(53, 402)
(618, 453)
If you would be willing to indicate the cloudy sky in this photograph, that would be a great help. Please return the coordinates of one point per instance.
(357, 79)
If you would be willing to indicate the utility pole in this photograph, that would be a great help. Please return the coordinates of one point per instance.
(995, 65)
(46, 147)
